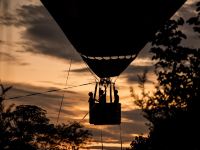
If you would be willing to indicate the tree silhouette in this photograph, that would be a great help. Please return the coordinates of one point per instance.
(5, 124)
(26, 127)
(173, 111)
(73, 135)
(196, 19)
(30, 127)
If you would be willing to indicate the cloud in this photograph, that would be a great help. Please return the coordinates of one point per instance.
(111, 133)
(80, 70)
(7, 19)
(72, 109)
(41, 35)
(132, 72)
(135, 125)
(145, 52)
(48, 101)
(186, 11)
(135, 115)
(4, 4)
(8, 57)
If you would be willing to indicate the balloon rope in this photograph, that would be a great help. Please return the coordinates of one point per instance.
(101, 139)
(49, 91)
(120, 136)
(61, 103)
(93, 74)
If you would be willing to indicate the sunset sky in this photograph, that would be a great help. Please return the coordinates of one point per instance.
(35, 57)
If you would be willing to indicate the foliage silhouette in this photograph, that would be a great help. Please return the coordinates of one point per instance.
(26, 127)
(173, 111)
(73, 135)
(5, 124)
(196, 19)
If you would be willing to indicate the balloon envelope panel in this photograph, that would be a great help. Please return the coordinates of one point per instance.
(104, 28)
(110, 27)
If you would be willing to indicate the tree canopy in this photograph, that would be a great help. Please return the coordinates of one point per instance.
(173, 110)
(26, 127)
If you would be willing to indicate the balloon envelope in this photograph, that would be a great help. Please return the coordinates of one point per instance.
(109, 34)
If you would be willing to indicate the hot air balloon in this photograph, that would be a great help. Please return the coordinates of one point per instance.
(109, 34)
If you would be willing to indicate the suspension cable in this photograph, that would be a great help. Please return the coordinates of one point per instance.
(87, 114)
(101, 139)
(84, 116)
(61, 103)
(93, 74)
(49, 91)
(120, 136)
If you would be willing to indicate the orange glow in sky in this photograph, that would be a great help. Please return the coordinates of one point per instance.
(24, 65)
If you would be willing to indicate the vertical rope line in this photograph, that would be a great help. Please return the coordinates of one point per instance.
(101, 140)
(120, 136)
(61, 103)
(63, 96)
